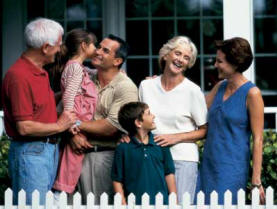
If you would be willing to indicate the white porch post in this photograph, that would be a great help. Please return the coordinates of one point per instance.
(238, 21)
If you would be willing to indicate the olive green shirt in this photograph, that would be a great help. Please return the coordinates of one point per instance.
(118, 92)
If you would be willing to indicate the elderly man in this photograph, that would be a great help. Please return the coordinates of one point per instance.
(30, 112)
(115, 89)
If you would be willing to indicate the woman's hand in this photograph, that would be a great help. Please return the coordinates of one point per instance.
(166, 140)
(262, 195)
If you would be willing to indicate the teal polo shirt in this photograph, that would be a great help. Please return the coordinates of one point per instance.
(142, 168)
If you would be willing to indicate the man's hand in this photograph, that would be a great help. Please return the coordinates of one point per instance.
(66, 120)
(79, 143)
(165, 140)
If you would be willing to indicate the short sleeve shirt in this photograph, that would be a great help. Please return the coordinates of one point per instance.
(179, 110)
(142, 168)
(27, 95)
(118, 92)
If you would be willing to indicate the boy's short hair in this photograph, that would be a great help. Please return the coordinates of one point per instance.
(128, 113)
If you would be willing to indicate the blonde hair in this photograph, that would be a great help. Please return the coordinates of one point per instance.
(174, 43)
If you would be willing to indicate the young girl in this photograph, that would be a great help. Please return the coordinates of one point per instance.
(78, 94)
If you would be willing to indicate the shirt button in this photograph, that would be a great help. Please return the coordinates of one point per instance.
(145, 155)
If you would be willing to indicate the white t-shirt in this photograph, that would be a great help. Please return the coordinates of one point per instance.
(179, 110)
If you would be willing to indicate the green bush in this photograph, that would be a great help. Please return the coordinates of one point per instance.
(4, 178)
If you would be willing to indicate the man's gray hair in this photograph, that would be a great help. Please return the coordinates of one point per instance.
(41, 31)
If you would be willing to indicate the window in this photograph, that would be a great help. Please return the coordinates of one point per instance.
(265, 20)
(70, 13)
(150, 23)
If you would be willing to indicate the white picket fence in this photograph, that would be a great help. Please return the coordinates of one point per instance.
(62, 204)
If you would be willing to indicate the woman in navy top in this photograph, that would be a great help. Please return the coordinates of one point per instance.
(236, 110)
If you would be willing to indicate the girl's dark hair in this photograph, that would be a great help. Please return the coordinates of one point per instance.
(69, 48)
(237, 51)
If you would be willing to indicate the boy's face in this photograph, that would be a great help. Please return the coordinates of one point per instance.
(148, 120)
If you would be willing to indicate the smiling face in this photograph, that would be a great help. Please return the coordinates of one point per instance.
(51, 51)
(105, 55)
(177, 60)
(147, 122)
(225, 69)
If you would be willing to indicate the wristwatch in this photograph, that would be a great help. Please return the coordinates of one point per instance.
(78, 123)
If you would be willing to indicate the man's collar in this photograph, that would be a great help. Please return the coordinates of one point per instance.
(138, 143)
(35, 69)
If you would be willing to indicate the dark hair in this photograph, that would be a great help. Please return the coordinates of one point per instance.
(73, 40)
(128, 113)
(237, 51)
(123, 49)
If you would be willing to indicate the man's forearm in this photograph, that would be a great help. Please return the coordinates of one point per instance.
(99, 128)
(33, 128)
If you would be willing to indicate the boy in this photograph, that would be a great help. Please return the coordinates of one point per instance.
(141, 165)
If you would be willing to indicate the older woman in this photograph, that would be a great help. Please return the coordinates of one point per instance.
(180, 110)
(235, 110)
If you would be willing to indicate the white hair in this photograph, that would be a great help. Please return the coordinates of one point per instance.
(174, 43)
(41, 31)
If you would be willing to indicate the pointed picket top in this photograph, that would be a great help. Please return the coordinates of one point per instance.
(241, 198)
(255, 197)
(131, 201)
(62, 201)
(104, 200)
(200, 198)
(90, 200)
(21, 199)
(49, 200)
(269, 197)
(8, 198)
(186, 201)
(145, 200)
(159, 200)
(35, 199)
(228, 199)
(172, 199)
(77, 200)
(213, 199)
(117, 201)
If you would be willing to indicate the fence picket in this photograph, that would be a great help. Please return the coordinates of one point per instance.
(241, 199)
(214, 200)
(159, 200)
(145, 201)
(200, 200)
(35, 199)
(63, 201)
(172, 202)
(145, 204)
(104, 201)
(90, 200)
(49, 201)
(21, 199)
(8, 199)
(185, 200)
(269, 198)
(255, 198)
(131, 201)
(77, 201)
(117, 201)
(228, 199)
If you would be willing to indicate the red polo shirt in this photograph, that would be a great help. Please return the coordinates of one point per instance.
(27, 95)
